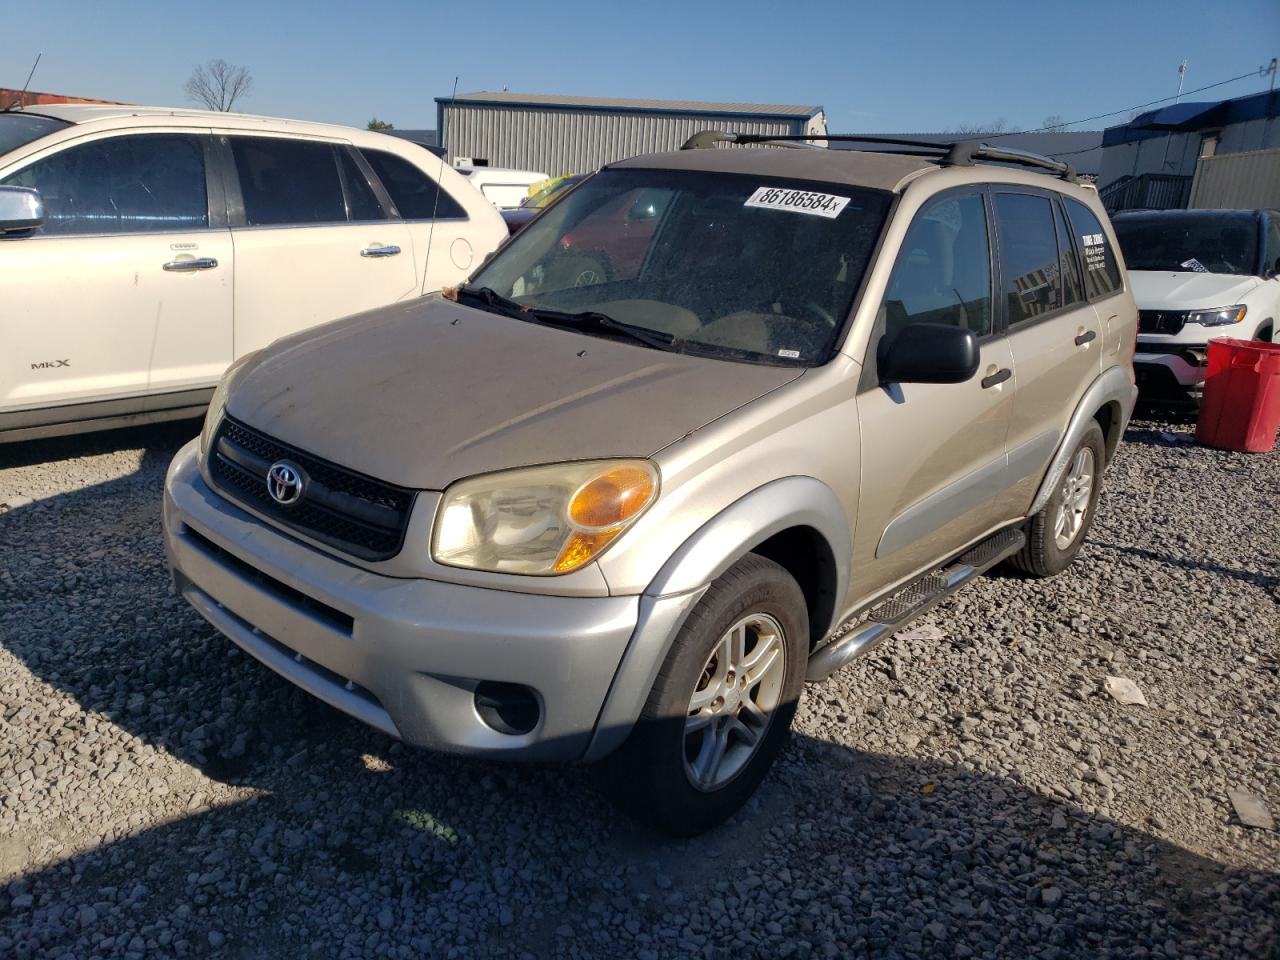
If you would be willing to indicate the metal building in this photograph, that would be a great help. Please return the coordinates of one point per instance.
(558, 134)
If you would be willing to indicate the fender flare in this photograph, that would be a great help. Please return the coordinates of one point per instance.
(1113, 385)
(750, 520)
(704, 556)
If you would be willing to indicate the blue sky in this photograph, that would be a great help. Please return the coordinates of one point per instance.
(921, 66)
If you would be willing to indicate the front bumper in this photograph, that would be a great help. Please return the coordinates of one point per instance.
(403, 655)
(1156, 369)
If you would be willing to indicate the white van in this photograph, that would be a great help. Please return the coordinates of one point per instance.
(505, 189)
(144, 249)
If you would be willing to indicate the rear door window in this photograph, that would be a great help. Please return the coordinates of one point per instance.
(362, 202)
(416, 195)
(943, 271)
(1101, 272)
(141, 183)
(288, 182)
(1030, 272)
(1072, 282)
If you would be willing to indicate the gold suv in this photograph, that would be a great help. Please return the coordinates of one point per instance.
(714, 424)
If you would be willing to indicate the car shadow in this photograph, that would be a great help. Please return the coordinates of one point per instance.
(1263, 580)
(290, 829)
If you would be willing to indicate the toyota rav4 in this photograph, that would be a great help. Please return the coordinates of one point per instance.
(625, 517)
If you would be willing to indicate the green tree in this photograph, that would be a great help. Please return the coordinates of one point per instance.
(376, 124)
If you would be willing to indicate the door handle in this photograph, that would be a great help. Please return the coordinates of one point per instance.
(379, 251)
(1000, 376)
(1086, 337)
(186, 266)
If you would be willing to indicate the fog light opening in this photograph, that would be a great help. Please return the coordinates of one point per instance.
(509, 708)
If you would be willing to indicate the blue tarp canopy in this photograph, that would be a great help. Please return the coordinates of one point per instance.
(1180, 116)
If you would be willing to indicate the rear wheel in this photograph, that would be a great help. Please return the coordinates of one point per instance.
(1056, 534)
(721, 707)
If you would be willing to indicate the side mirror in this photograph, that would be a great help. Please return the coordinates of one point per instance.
(21, 208)
(928, 353)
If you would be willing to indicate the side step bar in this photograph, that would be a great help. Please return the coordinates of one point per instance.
(896, 611)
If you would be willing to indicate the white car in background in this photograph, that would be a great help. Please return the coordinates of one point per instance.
(504, 188)
(144, 249)
(1196, 275)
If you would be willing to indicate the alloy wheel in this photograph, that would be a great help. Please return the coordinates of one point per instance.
(732, 706)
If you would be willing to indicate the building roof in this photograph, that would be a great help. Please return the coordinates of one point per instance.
(1192, 116)
(567, 102)
(10, 97)
(1081, 148)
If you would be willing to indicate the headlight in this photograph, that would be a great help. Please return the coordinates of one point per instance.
(1218, 317)
(541, 520)
(218, 403)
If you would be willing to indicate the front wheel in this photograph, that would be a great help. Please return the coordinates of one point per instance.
(1056, 534)
(721, 707)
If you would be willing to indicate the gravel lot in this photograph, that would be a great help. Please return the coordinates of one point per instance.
(969, 790)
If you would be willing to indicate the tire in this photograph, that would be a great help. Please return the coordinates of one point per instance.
(652, 775)
(1045, 554)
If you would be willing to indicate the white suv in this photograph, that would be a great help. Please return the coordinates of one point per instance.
(1196, 275)
(142, 250)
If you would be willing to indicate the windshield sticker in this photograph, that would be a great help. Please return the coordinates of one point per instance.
(798, 201)
(1194, 265)
(789, 354)
(1095, 251)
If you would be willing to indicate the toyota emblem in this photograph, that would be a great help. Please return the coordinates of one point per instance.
(285, 482)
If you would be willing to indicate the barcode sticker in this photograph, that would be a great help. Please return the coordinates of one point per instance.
(798, 201)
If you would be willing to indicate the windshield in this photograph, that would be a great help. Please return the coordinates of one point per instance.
(744, 267)
(1199, 243)
(17, 129)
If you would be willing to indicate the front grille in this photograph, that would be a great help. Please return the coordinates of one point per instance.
(338, 507)
(1161, 321)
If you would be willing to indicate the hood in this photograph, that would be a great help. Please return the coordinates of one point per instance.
(424, 393)
(1161, 290)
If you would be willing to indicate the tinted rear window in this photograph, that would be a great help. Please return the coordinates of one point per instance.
(1101, 273)
(288, 181)
(414, 193)
(1029, 266)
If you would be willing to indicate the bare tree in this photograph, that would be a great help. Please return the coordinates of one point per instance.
(1053, 121)
(218, 84)
(974, 129)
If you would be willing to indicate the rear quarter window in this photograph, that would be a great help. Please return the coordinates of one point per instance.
(416, 195)
(1101, 272)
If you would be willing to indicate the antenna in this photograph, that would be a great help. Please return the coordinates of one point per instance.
(431, 231)
(22, 97)
(1182, 75)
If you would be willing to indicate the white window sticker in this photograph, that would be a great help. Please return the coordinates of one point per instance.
(789, 354)
(1095, 251)
(798, 201)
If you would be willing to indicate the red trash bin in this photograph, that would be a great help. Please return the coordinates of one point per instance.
(1240, 409)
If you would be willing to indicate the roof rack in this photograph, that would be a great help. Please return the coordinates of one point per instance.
(959, 153)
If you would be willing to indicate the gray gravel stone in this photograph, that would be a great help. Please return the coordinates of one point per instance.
(968, 791)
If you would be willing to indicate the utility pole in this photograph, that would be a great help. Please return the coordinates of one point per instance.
(1182, 75)
(1271, 69)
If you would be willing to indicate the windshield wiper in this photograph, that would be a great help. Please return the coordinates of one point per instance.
(603, 323)
(596, 321)
(493, 300)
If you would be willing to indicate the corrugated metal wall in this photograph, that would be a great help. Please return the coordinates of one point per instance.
(578, 141)
(1237, 181)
